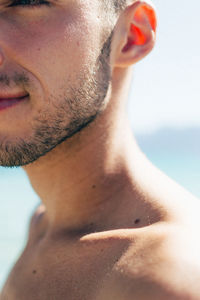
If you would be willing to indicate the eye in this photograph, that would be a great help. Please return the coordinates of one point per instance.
(29, 3)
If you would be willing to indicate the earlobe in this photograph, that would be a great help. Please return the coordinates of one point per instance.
(139, 24)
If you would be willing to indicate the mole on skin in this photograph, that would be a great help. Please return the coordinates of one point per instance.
(137, 221)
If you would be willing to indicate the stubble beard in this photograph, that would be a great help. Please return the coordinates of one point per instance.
(50, 129)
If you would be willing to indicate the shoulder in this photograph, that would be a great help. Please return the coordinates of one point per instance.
(162, 263)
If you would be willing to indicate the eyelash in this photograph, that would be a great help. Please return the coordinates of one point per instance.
(29, 3)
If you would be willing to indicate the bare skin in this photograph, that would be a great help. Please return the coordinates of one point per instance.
(110, 226)
(145, 249)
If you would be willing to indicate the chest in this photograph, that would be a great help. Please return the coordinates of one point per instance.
(57, 272)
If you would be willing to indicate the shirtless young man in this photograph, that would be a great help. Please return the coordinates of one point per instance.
(111, 226)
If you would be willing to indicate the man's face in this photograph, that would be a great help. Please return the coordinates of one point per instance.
(53, 52)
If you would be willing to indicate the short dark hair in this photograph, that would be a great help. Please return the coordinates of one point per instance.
(119, 5)
(116, 5)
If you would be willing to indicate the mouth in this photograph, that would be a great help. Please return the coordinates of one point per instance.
(7, 100)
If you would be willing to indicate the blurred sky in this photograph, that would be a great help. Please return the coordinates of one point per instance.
(165, 89)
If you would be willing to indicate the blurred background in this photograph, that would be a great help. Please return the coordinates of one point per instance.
(163, 110)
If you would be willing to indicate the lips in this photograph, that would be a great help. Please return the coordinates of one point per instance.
(8, 100)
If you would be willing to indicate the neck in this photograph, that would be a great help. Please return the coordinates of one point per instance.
(86, 181)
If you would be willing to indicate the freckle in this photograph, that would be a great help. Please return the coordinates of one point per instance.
(34, 271)
(94, 186)
(137, 221)
(38, 49)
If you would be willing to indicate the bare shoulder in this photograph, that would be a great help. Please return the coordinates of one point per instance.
(162, 263)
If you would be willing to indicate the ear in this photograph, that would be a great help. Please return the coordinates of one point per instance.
(134, 34)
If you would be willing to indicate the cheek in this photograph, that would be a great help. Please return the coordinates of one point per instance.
(54, 52)
(45, 46)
